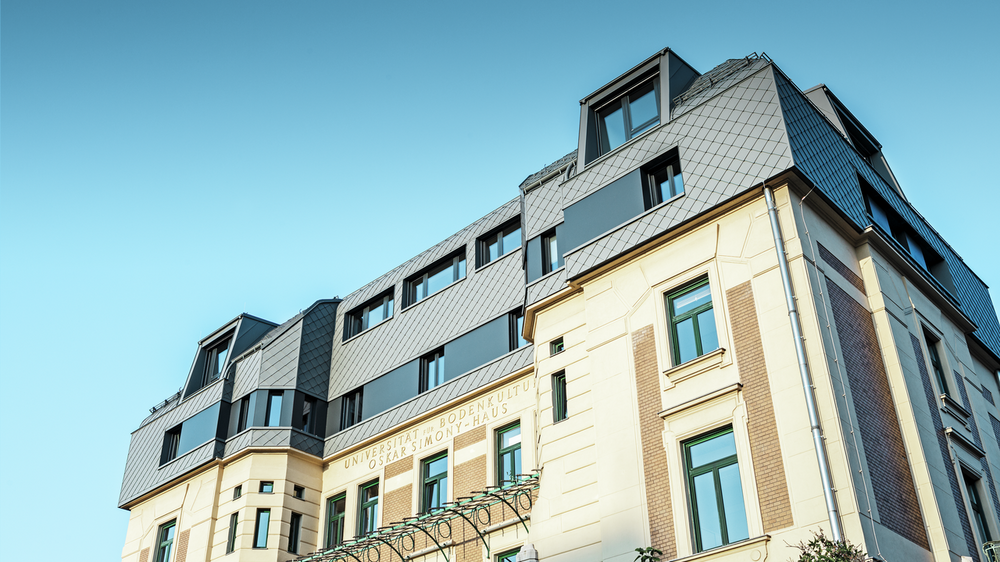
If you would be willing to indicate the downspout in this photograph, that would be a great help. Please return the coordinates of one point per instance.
(807, 384)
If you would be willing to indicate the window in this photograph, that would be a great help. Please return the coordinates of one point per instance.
(260, 528)
(692, 322)
(435, 478)
(273, 417)
(308, 420)
(976, 504)
(165, 541)
(234, 519)
(294, 531)
(299, 492)
(550, 252)
(508, 453)
(715, 491)
(237, 492)
(437, 277)
(556, 346)
(936, 365)
(498, 243)
(368, 314)
(432, 370)
(267, 487)
(508, 556)
(628, 116)
(517, 340)
(662, 182)
(335, 509)
(350, 409)
(368, 508)
(171, 441)
(215, 360)
(559, 401)
(241, 424)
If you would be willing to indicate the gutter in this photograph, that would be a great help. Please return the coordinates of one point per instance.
(807, 385)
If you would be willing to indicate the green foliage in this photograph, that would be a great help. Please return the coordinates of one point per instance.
(648, 554)
(822, 549)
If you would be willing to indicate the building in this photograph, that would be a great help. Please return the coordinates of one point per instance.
(714, 327)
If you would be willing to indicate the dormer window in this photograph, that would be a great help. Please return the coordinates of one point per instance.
(215, 360)
(626, 117)
(368, 315)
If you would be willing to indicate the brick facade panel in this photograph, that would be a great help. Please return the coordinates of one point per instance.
(647, 383)
(398, 504)
(765, 448)
(470, 476)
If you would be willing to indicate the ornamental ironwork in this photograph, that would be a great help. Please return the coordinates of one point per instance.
(512, 502)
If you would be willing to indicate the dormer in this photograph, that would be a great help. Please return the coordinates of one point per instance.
(632, 104)
(216, 351)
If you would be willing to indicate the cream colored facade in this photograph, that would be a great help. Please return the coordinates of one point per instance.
(903, 378)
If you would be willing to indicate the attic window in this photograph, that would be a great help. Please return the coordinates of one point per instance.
(625, 117)
(215, 360)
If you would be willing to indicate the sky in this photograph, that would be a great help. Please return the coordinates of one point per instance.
(166, 166)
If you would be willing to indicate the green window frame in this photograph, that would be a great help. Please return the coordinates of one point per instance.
(165, 541)
(234, 520)
(936, 365)
(692, 321)
(715, 491)
(559, 400)
(976, 503)
(508, 453)
(336, 510)
(434, 472)
(368, 508)
(261, 525)
(294, 532)
(508, 555)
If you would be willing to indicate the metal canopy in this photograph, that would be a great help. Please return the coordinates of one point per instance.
(400, 540)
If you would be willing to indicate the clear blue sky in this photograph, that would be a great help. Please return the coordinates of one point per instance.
(165, 166)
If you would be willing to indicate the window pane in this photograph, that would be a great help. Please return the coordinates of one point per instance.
(494, 250)
(663, 187)
(512, 241)
(642, 110)
(678, 184)
(706, 328)
(708, 511)
(511, 437)
(880, 216)
(553, 253)
(516, 469)
(440, 280)
(732, 500)
(716, 448)
(693, 299)
(437, 466)
(274, 410)
(263, 518)
(221, 358)
(686, 349)
(613, 127)
(461, 269)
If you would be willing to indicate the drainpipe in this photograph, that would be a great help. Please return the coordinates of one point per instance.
(807, 385)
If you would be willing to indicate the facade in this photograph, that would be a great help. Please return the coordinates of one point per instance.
(715, 327)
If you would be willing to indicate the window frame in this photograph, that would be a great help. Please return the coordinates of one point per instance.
(692, 472)
(622, 100)
(274, 396)
(243, 419)
(497, 236)
(237, 491)
(171, 443)
(937, 365)
(231, 534)
(357, 320)
(560, 401)
(651, 195)
(979, 517)
(502, 451)
(294, 532)
(369, 507)
(212, 353)
(505, 555)
(351, 416)
(439, 481)
(435, 359)
(674, 320)
(557, 346)
(165, 544)
(516, 327)
(298, 492)
(268, 484)
(335, 520)
(257, 527)
(308, 417)
(550, 244)
(413, 284)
